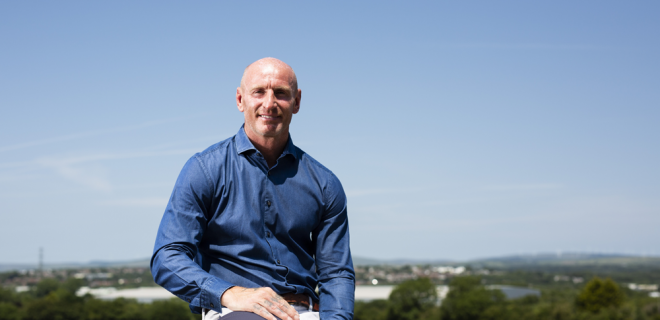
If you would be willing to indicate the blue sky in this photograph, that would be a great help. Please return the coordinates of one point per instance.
(459, 129)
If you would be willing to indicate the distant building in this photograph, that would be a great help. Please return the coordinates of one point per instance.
(143, 294)
(642, 287)
(450, 270)
(368, 293)
(22, 288)
(93, 276)
(575, 280)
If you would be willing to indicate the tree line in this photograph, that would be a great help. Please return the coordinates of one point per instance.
(469, 299)
(51, 299)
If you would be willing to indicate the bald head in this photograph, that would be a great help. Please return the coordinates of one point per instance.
(268, 97)
(270, 65)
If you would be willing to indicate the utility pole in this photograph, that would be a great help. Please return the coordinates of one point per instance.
(41, 262)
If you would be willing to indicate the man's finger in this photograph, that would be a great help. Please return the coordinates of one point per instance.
(262, 301)
(262, 312)
(276, 305)
(287, 308)
(283, 310)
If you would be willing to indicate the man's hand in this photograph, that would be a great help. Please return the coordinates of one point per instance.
(262, 301)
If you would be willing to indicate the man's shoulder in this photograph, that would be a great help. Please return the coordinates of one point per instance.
(219, 149)
(334, 196)
(316, 167)
(202, 163)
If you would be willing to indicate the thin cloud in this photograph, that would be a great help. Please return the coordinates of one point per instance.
(51, 161)
(202, 142)
(155, 185)
(16, 164)
(369, 192)
(533, 186)
(95, 178)
(453, 201)
(81, 169)
(525, 46)
(381, 191)
(606, 211)
(154, 202)
(444, 223)
(86, 134)
(86, 169)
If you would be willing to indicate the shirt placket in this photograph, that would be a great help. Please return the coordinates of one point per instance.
(269, 210)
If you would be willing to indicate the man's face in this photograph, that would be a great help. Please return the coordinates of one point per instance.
(267, 100)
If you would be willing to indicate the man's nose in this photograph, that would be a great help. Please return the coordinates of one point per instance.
(270, 101)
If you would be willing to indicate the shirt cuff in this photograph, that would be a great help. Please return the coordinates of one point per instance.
(212, 291)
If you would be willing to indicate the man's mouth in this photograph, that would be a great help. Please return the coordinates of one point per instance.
(267, 117)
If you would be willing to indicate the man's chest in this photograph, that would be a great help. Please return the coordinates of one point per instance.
(249, 202)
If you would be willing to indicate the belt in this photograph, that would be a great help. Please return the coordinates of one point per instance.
(300, 299)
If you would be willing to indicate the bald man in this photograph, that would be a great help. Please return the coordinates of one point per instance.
(254, 224)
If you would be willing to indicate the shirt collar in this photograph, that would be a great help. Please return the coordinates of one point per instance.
(244, 144)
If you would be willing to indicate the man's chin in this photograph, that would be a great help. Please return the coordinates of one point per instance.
(270, 132)
(267, 131)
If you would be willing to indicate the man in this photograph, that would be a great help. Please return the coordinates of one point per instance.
(254, 224)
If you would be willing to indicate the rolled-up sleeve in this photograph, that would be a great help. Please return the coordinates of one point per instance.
(173, 261)
(333, 256)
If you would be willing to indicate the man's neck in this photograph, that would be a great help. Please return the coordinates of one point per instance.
(270, 147)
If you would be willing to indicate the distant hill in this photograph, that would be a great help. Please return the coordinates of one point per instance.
(144, 263)
(141, 263)
(566, 259)
(362, 261)
(528, 260)
(513, 261)
(16, 266)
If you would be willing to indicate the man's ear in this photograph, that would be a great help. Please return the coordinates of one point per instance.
(239, 99)
(298, 97)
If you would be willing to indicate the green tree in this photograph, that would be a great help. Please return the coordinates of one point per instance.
(411, 299)
(6, 295)
(599, 294)
(9, 311)
(57, 305)
(372, 310)
(46, 286)
(118, 309)
(72, 285)
(468, 300)
(173, 309)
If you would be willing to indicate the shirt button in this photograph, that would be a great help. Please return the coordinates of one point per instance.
(268, 203)
(278, 261)
(212, 306)
(268, 234)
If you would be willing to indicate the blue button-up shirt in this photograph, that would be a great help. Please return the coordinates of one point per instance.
(232, 221)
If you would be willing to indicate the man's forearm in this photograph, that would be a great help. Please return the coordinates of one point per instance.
(337, 296)
(173, 269)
